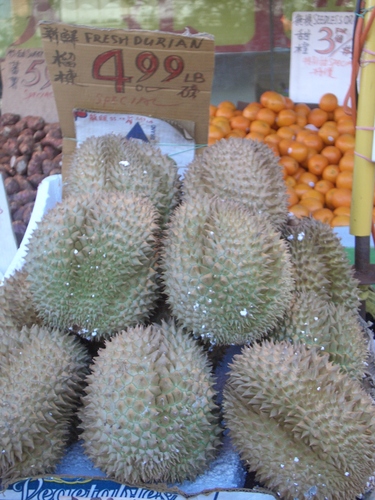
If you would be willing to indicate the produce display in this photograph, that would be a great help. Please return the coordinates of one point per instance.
(30, 150)
(314, 144)
(149, 295)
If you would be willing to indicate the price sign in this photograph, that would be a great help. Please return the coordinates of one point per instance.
(321, 55)
(163, 75)
(27, 89)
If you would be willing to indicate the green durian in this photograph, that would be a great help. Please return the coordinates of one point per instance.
(226, 271)
(16, 305)
(242, 170)
(91, 263)
(41, 380)
(112, 162)
(304, 427)
(149, 414)
(331, 328)
(321, 263)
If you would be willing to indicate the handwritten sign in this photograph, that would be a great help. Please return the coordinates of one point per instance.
(27, 89)
(164, 75)
(321, 55)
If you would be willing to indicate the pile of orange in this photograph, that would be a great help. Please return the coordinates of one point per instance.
(315, 147)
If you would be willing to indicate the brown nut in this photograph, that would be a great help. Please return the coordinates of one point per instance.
(8, 131)
(35, 122)
(23, 197)
(36, 179)
(47, 166)
(23, 182)
(19, 230)
(26, 147)
(26, 132)
(39, 134)
(19, 164)
(28, 210)
(35, 163)
(11, 147)
(21, 125)
(11, 186)
(9, 119)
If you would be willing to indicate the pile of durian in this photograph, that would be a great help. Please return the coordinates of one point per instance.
(136, 278)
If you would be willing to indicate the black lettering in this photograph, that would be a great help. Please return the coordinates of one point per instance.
(88, 37)
(137, 40)
(148, 41)
(180, 43)
(196, 43)
(160, 41)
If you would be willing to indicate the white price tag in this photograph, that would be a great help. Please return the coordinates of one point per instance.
(8, 244)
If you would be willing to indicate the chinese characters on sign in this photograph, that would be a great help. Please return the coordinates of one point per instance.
(321, 55)
(163, 75)
(27, 89)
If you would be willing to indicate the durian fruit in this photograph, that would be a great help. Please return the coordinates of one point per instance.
(305, 428)
(149, 414)
(226, 271)
(91, 263)
(41, 380)
(242, 170)
(331, 328)
(112, 162)
(320, 262)
(16, 305)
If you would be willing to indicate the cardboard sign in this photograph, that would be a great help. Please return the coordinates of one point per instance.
(163, 75)
(27, 89)
(321, 55)
(8, 244)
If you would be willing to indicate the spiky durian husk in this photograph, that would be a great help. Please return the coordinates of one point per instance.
(320, 262)
(41, 380)
(331, 328)
(91, 263)
(242, 170)
(307, 429)
(149, 413)
(112, 162)
(227, 273)
(16, 305)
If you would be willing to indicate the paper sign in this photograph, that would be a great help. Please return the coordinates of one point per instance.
(150, 73)
(215, 495)
(8, 244)
(321, 55)
(27, 89)
(171, 138)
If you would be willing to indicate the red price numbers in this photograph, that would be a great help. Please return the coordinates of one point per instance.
(37, 73)
(146, 62)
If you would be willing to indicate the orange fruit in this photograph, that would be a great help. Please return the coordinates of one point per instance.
(323, 215)
(299, 172)
(347, 162)
(215, 133)
(317, 163)
(255, 136)
(330, 173)
(213, 109)
(308, 178)
(273, 100)
(286, 117)
(329, 195)
(323, 186)
(303, 108)
(227, 104)
(274, 148)
(296, 127)
(313, 194)
(339, 113)
(301, 119)
(317, 117)
(289, 104)
(310, 152)
(345, 142)
(292, 196)
(266, 115)
(286, 133)
(332, 153)
(251, 110)
(311, 204)
(313, 140)
(289, 164)
(341, 197)
(328, 102)
(342, 211)
(344, 179)
(236, 132)
(301, 134)
(299, 210)
(290, 181)
(328, 133)
(272, 138)
(346, 126)
(223, 123)
(301, 188)
(261, 127)
(240, 122)
(340, 221)
(298, 151)
(284, 146)
(225, 111)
